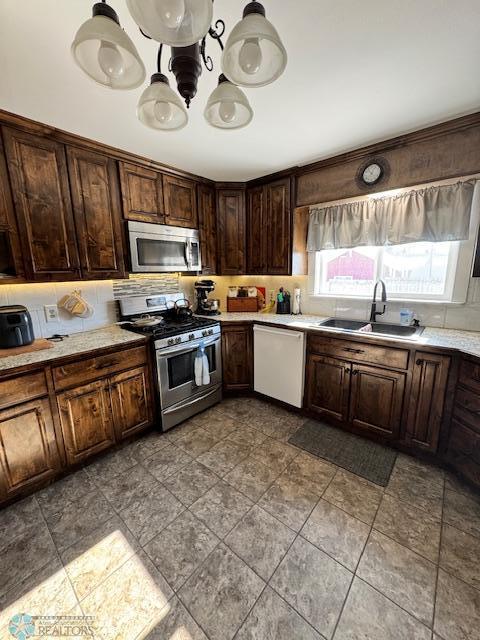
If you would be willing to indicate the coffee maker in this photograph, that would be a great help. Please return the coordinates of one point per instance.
(205, 307)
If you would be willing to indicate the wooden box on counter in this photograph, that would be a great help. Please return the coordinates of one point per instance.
(235, 305)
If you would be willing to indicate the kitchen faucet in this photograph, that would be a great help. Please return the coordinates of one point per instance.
(374, 313)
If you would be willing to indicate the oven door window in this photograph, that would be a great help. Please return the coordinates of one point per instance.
(181, 367)
(163, 253)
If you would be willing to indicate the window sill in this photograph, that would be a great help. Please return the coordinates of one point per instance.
(445, 303)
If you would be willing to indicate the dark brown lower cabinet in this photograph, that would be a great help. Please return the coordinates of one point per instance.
(328, 383)
(87, 421)
(237, 356)
(131, 402)
(463, 451)
(96, 415)
(367, 398)
(28, 448)
(376, 400)
(425, 410)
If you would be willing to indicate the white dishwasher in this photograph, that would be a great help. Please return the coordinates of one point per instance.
(279, 363)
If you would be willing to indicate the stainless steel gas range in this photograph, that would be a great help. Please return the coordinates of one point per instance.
(176, 339)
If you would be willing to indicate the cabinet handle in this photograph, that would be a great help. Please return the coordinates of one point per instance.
(106, 365)
(355, 372)
(350, 350)
(347, 369)
(419, 362)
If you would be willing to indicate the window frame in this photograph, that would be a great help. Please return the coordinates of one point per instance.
(450, 281)
(459, 277)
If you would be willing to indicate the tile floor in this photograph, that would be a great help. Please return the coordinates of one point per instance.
(220, 529)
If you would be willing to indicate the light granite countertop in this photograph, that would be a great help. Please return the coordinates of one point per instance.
(76, 344)
(465, 341)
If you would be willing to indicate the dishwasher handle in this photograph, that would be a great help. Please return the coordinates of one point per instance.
(298, 335)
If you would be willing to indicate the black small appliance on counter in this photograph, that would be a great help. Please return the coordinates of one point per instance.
(16, 329)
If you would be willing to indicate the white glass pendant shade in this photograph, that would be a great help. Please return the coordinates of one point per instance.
(177, 23)
(103, 50)
(254, 55)
(160, 107)
(228, 107)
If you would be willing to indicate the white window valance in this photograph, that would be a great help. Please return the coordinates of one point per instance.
(432, 214)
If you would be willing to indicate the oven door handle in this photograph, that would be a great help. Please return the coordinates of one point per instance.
(189, 346)
(190, 402)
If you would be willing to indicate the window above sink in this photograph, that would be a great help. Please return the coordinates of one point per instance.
(417, 271)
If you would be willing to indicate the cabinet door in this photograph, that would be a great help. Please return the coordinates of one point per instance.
(277, 227)
(131, 401)
(237, 351)
(256, 231)
(376, 400)
(425, 411)
(231, 236)
(208, 228)
(327, 386)
(11, 260)
(96, 207)
(86, 418)
(41, 193)
(28, 449)
(180, 202)
(142, 193)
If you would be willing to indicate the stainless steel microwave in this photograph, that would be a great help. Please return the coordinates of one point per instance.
(158, 248)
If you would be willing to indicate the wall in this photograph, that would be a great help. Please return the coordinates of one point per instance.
(463, 316)
(35, 296)
(101, 295)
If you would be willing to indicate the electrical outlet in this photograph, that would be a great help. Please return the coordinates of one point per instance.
(51, 312)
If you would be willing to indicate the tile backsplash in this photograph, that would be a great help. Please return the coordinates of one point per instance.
(34, 296)
(465, 316)
(102, 295)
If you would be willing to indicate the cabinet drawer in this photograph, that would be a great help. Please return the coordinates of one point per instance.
(467, 408)
(94, 368)
(464, 451)
(22, 388)
(387, 356)
(470, 375)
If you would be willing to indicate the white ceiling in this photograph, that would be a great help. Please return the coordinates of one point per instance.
(358, 72)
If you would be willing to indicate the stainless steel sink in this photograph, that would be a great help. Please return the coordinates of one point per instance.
(379, 328)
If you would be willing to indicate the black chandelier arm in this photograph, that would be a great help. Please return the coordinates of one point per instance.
(159, 58)
(215, 34)
(207, 60)
(218, 32)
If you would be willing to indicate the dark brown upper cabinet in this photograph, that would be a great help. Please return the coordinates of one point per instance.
(231, 235)
(278, 225)
(180, 202)
(269, 227)
(257, 239)
(11, 260)
(97, 210)
(41, 192)
(208, 228)
(142, 193)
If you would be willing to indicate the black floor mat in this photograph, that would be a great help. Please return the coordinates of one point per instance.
(363, 457)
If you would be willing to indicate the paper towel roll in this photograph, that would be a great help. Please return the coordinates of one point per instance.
(296, 302)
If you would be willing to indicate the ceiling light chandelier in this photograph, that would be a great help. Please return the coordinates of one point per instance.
(253, 56)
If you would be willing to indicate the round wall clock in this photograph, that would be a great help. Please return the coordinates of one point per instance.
(372, 172)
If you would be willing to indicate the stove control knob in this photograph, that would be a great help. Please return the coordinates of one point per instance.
(178, 340)
(191, 336)
(210, 332)
(204, 333)
(170, 341)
